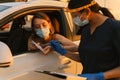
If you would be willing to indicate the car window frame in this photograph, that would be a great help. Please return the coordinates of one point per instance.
(32, 10)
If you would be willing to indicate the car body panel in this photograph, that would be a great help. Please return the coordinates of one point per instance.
(26, 64)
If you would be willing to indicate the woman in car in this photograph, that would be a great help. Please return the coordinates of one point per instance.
(43, 32)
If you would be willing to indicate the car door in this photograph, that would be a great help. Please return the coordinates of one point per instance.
(58, 12)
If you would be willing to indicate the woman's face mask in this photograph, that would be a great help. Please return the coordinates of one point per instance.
(43, 32)
(79, 22)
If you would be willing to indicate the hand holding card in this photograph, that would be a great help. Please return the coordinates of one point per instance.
(38, 46)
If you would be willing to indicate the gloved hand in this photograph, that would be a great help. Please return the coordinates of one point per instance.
(95, 76)
(57, 47)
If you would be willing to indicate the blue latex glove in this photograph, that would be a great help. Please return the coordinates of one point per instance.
(95, 76)
(55, 45)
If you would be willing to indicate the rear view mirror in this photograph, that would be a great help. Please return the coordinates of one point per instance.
(6, 58)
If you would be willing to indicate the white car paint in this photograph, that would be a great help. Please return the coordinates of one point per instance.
(15, 6)
(25, 64)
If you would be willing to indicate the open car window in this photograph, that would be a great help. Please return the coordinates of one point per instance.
(28, 20)
(16, 33)
(19, 29)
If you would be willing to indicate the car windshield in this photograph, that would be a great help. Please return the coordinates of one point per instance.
(2, 7)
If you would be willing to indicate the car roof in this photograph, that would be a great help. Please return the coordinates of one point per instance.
(8, 8)
(44, 2)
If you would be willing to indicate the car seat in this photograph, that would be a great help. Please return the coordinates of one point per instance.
(18, 39)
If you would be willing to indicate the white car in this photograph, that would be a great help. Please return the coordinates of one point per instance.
(15, 26)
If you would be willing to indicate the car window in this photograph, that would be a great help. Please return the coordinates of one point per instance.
(27, 25)
(55, 17)
(19, 30)
(21, 25)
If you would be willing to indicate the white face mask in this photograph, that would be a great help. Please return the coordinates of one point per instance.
(43, 32)
(79, 22)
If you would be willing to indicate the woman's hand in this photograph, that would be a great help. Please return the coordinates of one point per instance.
(46, 50)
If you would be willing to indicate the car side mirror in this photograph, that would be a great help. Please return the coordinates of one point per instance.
(6, 58)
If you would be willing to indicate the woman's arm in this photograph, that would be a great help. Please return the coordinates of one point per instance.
(114, 73)
(66, 43)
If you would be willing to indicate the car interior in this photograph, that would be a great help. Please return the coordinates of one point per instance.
(20, 31)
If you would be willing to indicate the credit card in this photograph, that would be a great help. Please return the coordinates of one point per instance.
(38, 46)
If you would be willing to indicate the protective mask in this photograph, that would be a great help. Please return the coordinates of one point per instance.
(79, 22)
(43, 32)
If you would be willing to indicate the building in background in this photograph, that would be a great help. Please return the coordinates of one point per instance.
(112, 5)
